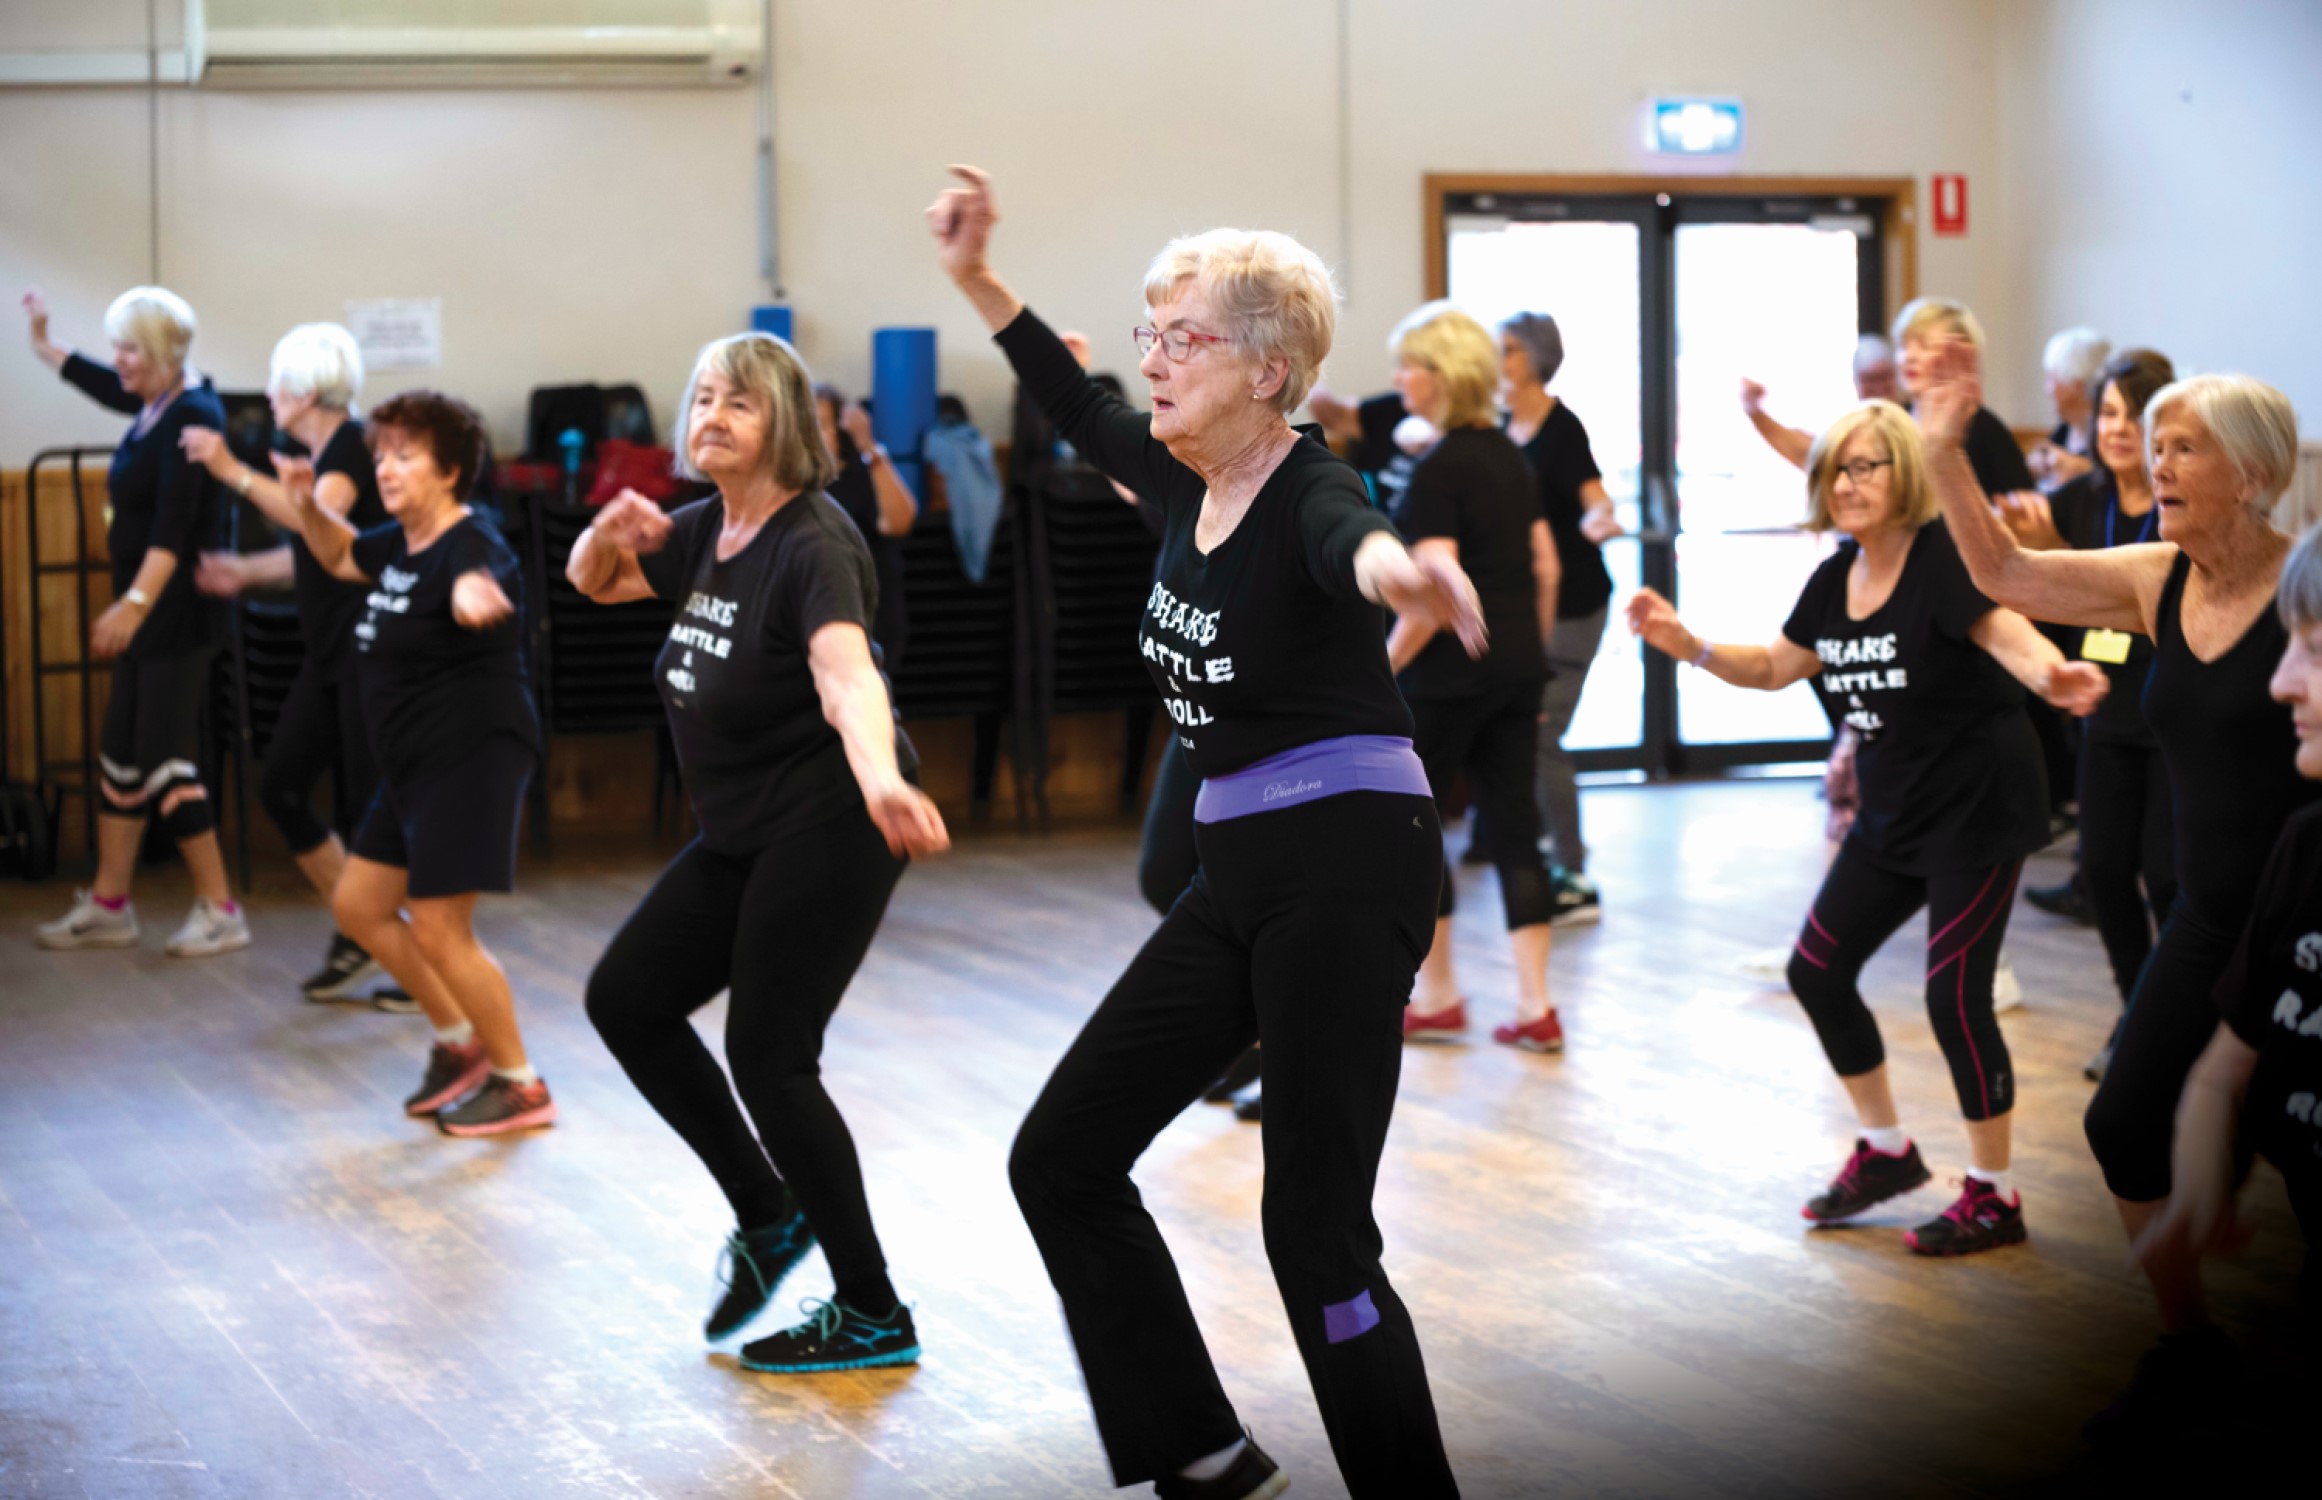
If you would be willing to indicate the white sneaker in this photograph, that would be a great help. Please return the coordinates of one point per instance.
(2007, 991)
(89, 925)
(1773, 964)
(209, 930)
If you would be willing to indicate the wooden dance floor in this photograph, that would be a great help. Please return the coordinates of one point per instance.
(229, 1267)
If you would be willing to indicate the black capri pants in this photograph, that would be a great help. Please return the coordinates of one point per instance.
(784, 930)
(1859, 907)
(151, 743)
(1302, 929)
(2132, 1121)
(2127, 838)
(320, 730)
(1495, 738)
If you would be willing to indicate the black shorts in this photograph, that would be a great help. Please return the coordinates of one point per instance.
(453, 833)
(152, 738)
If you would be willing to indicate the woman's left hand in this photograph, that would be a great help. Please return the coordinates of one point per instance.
(478, 602)
(2077, 687)
(114, 629)
(908, 819)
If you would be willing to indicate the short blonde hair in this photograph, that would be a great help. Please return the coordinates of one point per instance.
(156, 321)
(1439, 337)
(1926, 315)
(320, 360)
(2252, 422)
(768, 368)
(1276, 296)
(1913, 497)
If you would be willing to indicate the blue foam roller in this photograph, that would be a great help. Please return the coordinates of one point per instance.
(771, 317)
(903, 390)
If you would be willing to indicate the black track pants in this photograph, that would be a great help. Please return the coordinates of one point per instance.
(320, 730)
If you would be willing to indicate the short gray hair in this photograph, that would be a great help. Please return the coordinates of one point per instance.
(2076, 354)
(1871, 349)
(320, 360)
(156, 321)
(1276, 296)
(2254, 423)
(2299, 595)
(768, 368)
(1543, 342)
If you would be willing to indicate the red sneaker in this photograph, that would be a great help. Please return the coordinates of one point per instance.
(499, 1107)
(1543, 1035)
(1435, 1026)
(451, 1072)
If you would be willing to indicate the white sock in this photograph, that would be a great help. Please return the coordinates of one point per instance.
(456, 1036)
(1888, 1140)
(2003, 1182)
(525, 1074)
(1217, 1463)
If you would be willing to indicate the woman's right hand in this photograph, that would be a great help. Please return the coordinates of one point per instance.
(632, 523)
(297, 478)
(961, 219)
(207, 446)
(36, 313)
(907, 818)
(1653, 620)
(1952, 394)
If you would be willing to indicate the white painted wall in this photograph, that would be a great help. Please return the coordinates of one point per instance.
(604, 235)
(2164, 166)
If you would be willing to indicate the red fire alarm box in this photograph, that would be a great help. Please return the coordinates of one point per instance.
(1949, 190)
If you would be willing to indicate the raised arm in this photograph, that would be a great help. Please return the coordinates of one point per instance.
(329, 536)
(2118, 588)
(603, 564)
(855, 703)
(1789, 442)
(1770, 668)
(2076, 687)
(206, 446)
(1109, 433)
(50, 354)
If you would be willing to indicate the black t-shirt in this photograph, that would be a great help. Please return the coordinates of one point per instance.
(2087, 512)
(161, 499)
(434, 690)
(1265, 644)
(1376, 452)
(760, 761)
(856, 495)
(2271, 995)
(327, 606)
(1562, 460)
(1475, 488)
(1992, 451)
(1950, 772)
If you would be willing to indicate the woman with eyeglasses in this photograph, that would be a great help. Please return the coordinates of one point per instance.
(1320, 863)
(1925, 669)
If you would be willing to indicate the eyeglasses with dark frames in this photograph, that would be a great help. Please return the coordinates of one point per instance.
(1862, 469)
(1177, 343)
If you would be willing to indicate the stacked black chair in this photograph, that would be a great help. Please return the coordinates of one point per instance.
(971, 647)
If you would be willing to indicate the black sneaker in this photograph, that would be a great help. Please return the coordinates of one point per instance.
(1869, 1178)
(1979, 1219)
(396, 1001)
(343, 974)
(752, 1266)
(1576, 903)
(1249, 1103)
(1241, 1075)
(2069, 901)
(1251, 1476)
(2187, 1390)
(835, 1337)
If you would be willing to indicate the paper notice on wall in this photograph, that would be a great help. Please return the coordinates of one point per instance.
(398, 333)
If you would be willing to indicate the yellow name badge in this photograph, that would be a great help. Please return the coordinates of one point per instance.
(2108, 646)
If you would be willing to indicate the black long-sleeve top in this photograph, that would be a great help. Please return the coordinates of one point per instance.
(160, 498)
(1264, 643)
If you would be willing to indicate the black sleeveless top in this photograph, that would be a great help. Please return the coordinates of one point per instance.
(2231, 754)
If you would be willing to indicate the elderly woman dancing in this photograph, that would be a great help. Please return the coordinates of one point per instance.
(1321, 861)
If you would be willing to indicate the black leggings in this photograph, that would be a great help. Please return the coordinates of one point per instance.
(320, 730)
(2132, 1121)
(785, 929)
(1858, 908)
(1166, 858)
(1495, 738)
(1304, 928)
(2126, 833)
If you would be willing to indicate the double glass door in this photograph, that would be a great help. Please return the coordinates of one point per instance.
(1666, 305)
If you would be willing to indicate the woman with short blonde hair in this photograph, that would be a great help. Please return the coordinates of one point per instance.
(1992, 451)
(1930, 676)
(1320, 864)
(2220, 450)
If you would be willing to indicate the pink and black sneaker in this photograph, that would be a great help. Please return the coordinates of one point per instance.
(1869, 1178)
(500, 1106)
(451, 1073)
(1980, 1220)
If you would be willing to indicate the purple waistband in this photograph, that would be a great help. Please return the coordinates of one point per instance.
(1350, 763)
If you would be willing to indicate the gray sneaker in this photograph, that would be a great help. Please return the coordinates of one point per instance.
(89, 925)
(208, 930)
